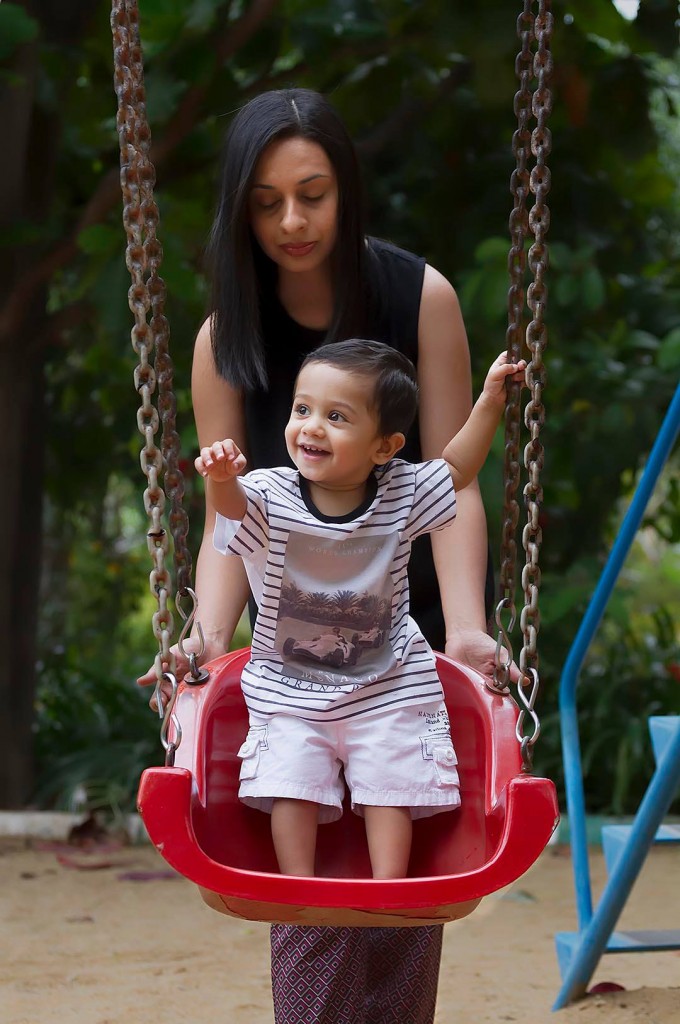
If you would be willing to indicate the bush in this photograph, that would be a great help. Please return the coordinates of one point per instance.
(94, 736)
(631, 672)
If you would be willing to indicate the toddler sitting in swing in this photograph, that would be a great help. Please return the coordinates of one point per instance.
(339, 675)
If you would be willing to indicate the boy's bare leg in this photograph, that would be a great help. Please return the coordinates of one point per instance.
(389, 831)
(294, 824)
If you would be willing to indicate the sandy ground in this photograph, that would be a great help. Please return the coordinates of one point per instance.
(81, 943)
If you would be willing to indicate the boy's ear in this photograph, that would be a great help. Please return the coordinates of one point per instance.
(387, 447)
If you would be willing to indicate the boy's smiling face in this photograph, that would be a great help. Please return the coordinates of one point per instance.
(333, 435)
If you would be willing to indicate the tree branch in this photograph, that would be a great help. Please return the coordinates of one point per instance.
(187, 112)
(107, 193)
(55, 326)
(410, 110)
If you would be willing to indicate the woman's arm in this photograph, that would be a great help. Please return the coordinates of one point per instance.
(220, 581)
(460, 551)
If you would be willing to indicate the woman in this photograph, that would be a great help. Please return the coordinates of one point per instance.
(291, 268)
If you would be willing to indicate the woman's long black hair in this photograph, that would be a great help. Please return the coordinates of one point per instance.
(242, 275)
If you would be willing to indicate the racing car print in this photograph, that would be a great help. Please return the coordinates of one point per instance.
(328, 648)
(369, 638)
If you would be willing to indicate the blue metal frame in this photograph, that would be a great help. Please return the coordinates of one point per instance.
(567, 699)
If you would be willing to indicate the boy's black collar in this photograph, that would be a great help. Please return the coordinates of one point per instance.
(371, 491)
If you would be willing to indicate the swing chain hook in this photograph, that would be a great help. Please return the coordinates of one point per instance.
(527, 692)
(169, 719)
(500, 682)
(196, 675)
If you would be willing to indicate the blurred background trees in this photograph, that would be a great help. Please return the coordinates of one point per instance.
(426, 90)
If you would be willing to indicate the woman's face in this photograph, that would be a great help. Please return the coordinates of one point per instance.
(293, 204)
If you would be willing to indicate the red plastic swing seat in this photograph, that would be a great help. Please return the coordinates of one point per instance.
(196, 821)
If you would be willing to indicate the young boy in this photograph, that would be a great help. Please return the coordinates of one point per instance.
(339, 675)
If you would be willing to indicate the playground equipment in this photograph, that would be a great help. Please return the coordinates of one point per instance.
(625, 847)
(190, 806)
(194, 817)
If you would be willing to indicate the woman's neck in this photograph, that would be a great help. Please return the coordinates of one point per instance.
(307, 298)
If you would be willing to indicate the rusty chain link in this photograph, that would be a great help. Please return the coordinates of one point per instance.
(518, 224)
(531, 65)
(150, 341)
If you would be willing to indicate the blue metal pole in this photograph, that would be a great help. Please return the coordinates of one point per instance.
(572, 667)
(654, 806)
(576, 804)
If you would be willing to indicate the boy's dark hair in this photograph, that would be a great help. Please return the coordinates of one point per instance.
(393, 375)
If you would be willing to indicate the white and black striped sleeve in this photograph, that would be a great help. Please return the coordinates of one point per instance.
(434, 498)
(249, 535)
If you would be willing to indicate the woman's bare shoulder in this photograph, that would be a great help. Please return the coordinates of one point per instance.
(203, 343)
(438, 290)
(441, 321)
(204, 369)
(443, 363)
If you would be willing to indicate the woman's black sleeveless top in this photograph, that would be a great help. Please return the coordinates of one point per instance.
(399, 275)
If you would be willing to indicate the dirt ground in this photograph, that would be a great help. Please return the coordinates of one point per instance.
(112, 937)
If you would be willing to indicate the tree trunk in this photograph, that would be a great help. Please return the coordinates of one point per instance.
(21, 439)
(30, 141)
(21, 453)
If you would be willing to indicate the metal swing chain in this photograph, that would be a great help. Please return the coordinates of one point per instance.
(173, 479)
(540, 67)
(519, 225)
(534, 413)
(147, 293)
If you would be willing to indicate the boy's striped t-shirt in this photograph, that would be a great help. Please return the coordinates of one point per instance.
(333, 638)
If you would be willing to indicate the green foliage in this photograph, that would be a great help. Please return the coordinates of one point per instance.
(426, 89)
(16, 27)
(94, 735)
(632, 672)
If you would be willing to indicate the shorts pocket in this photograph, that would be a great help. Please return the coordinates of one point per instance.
(445, 761)
(249, 752)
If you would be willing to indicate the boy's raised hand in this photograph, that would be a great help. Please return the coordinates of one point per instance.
(221, 461)
(499, 372)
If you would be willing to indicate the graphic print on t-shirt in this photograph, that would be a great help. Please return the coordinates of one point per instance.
(335, 610)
